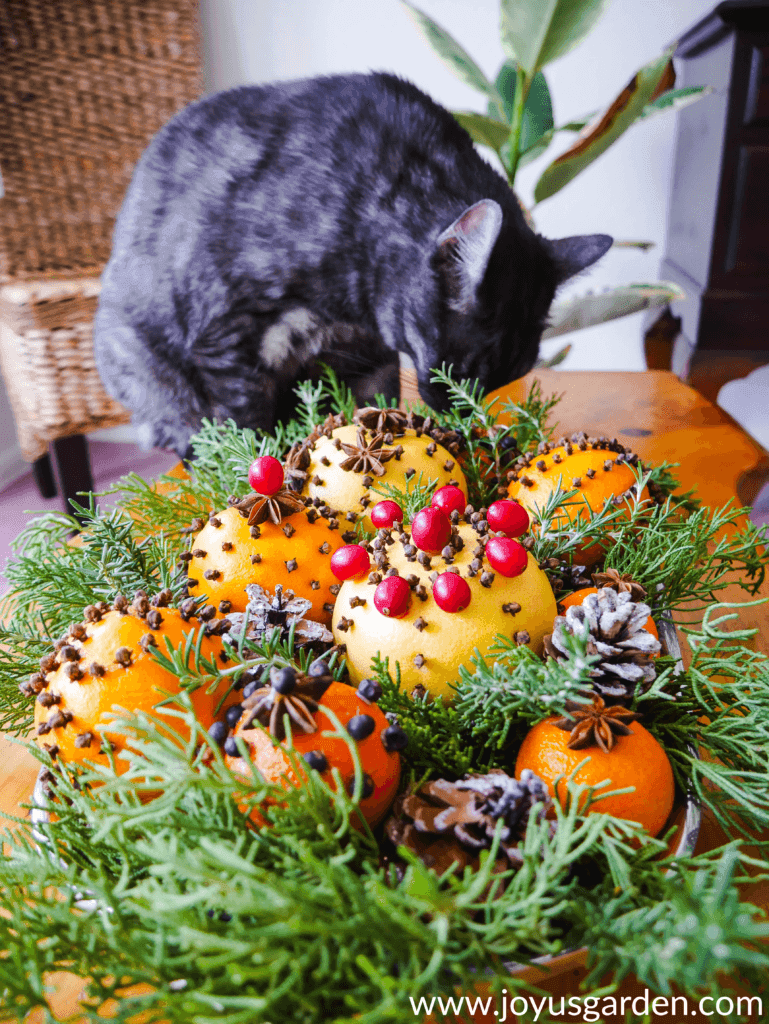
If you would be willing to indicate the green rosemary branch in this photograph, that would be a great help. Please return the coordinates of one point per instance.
(417, 494)
(491, 445)
(720, 706)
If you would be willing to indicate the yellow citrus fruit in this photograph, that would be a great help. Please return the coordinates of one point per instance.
(429, 643)
(356, 490)
(599, 470)
(382, 767)
(636, 760)
(104, 666)
(228, 554)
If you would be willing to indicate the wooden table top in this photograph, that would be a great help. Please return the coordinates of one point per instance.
(661, 419)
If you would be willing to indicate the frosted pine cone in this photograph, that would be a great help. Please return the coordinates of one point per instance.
(616, 625)
(448, 823)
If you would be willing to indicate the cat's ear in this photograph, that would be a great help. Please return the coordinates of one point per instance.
(463, 251)
(578, 252)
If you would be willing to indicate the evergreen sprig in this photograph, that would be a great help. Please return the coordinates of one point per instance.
(415, 495)
(658, 941)
(491, 443)
(295, 921)
(718, 705)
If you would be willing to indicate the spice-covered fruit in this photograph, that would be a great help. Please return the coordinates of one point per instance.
(599, 470)
(347, 466)
(376, 740)
(104, 665)
(435, 633)
(228, 554)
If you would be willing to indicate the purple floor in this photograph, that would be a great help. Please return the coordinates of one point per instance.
(109, 461)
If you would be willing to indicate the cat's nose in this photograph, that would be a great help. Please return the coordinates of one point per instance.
(435, 395)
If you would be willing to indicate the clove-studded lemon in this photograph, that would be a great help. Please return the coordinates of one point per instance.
(227, 554)
(423, 624)
(350, 464)
(103, 665)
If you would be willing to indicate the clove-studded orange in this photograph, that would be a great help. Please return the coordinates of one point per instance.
(227, 554)
(377, 741)
(598, 469)
(103, 665)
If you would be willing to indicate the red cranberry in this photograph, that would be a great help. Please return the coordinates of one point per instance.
(392, 597)
(265, 475)
(451, 592)
(431, 530)
(508, 517)
(350, 561)
(450, 499)
(386, 514)
(506, 556)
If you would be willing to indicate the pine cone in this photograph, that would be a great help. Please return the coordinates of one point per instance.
(617, 634)
(447, 823)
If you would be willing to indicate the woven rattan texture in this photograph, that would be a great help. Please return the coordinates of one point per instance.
(46, 354)
(84, 84)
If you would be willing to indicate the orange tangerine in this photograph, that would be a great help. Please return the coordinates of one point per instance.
(636, 760)
(381, 766)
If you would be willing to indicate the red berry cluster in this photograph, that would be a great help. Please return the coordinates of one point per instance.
(431, 532)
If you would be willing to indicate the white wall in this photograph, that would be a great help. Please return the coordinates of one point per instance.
(624, 193)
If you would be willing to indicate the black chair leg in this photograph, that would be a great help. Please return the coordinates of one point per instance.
(42, 471)
(74, 468)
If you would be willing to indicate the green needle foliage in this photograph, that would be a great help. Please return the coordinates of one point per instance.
(296, 921)
(301, 919)
(491, 444)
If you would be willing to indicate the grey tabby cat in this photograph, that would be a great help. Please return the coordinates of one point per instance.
(344, 219)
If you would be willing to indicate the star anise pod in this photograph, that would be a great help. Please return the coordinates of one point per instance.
(382, 421)
(623, 583)
(331, 422)
(367, 457)
(289, 693)
(269, 506)
(296, 465)
(595, 724)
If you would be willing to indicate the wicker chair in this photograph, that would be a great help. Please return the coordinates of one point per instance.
(83, 87)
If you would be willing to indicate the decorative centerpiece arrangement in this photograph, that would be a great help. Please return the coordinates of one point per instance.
(372, 708)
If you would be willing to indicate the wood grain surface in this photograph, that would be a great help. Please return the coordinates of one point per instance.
(661, 419)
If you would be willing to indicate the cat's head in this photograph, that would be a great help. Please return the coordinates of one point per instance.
(495, 281)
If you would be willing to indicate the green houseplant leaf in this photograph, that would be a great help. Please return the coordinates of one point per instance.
(538, 109)
(535, 32)
(454, 56)
(625, 109)
(675, 99)
(589, 310)
(487, 131)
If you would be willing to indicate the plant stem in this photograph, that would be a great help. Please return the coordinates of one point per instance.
(516, 123)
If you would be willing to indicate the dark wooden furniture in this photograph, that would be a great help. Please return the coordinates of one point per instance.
(718, 228)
